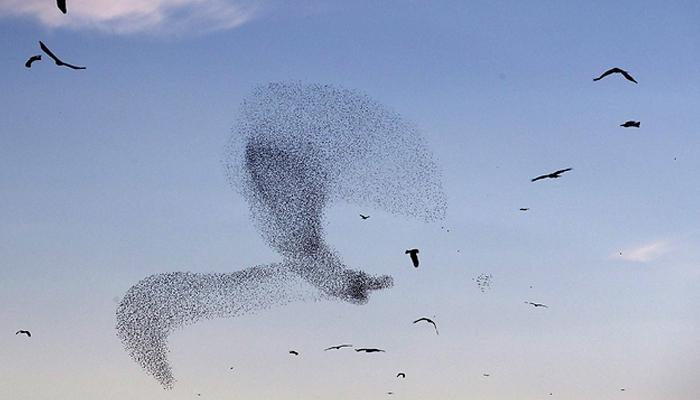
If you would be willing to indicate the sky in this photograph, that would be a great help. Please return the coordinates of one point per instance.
(114, 173)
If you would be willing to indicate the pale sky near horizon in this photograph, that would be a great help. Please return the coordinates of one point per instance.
(114, 173)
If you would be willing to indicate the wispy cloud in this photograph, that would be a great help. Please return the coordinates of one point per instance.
(646, 252)
(134, 16)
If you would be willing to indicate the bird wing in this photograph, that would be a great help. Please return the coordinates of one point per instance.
(539, 177)
(628, 76)
(561, 171)
(49, 53)
(419, 320)
(62, 5)
(31, 59)
(414, 258)
(608, 72)
(71, 66)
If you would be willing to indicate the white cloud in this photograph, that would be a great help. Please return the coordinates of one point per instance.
(647, 252)
(132, 16)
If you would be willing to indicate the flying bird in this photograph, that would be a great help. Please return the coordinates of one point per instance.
(486, 375)
(414, 256)
(31, 60)
(524, 209)
(616, 71)
(401, 375)
(370, 350)
(536, 304)
(553, 175)
(338, 347)
(364, 216)
(23, 332)
(62, 5)
(428, 320)
(631, 124)
(293, 352)
(56, 59)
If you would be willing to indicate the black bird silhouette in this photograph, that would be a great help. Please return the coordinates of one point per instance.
(616, 71)
(414, 256)
(631, 124)
(296, 353)
(370, 350)
(524, 209)
(29, 62)
(338, 347)
(486, 375)
(428, 320)
(400, 375)
(56, 59)
(622, 390)
(364, 216)
(553, 175)
(62, 5)
(23, 332)
(536, 304)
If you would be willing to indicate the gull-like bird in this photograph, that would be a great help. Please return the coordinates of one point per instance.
(414, 256)
(428, 320)
(631, 124)
(61, 5)
(338, 347)
(364, 216)
(536, 304)
(294, 352)
(553, 175)
(370, 350)
(31, 60)
(616, 71)
(23, 332)
(400, 375)
(56, 60)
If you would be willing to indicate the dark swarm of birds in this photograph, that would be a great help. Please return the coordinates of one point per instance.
(483, 281)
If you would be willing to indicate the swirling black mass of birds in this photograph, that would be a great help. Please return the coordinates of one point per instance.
(295, 149)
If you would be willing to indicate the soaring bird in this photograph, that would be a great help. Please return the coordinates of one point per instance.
(400, 375)
(370, 350)
(536, 304)
(364, 216)
(294, 352)
(29, 334)
(630, 124)
(428, 320)
(616, 71)
(338, 347)
(486, 375)
(29, 62)
(553, 175)
(414, 256)
(62, 5)
(56, 59)
(524, 209)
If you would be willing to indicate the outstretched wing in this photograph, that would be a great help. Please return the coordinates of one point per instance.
(561, 171)
(49, 52)
(414, 258)
(608, 72)
(539, 177)
(627, 76)
(72, 66)
(62, 5)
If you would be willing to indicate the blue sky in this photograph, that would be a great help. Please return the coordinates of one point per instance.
(114, 173)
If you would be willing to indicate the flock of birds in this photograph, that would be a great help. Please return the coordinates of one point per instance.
(413, 253)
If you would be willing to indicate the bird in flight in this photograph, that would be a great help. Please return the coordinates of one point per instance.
(370, 350)
(62, 5)
(536, 304)
(486, 375)
(31, 60)
(23, 332)
(56, 59)
(364, 216)
(294, 352)
(338, 347)
(553, 175)
(631, 124)
(414, 256)
(401, 375)
(428, 320)
(616, 71)
(524, 209)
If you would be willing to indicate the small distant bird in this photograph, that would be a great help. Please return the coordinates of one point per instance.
(486, 375)
(536, 304)
(400, 375)
(622, 390)
(428, 320)
(62, 5)
(231, 368)
(553, 175)
(338, 347)
(524, 209)
(56, 59)
(31, 60)
(389, 393)
(23, 332)
(616, 71)
(293, 352)
(364, 216)
(631, 124)
(414, 256)
(370, 350)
